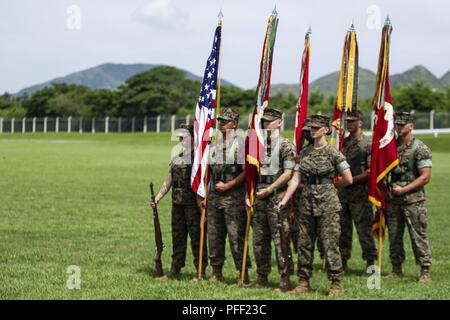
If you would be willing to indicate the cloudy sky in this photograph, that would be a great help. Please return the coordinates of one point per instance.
(41, 40)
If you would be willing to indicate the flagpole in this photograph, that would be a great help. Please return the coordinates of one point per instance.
(380, 246)
(202, 227)
(206, 178)
(247, 231)
(220, 16)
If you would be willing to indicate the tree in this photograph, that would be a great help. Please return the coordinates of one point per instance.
(60, 99)
(11, 107)
(102, 102)
(420, 98)
(162, 90)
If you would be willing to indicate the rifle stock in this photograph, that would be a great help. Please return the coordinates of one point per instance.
(158, 272)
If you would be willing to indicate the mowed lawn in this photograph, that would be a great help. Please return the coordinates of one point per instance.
(82, 199)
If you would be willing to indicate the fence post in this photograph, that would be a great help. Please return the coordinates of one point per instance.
(106, 124)
(120, 124)
(45, 124)
(158, 124)
(23, 124)
(172, 123)
(93, 125)
(187, 118)
(1, 125)
(69, 123)
(80, 129)
(145, 124)
(12, 125)
(34, 124)
(133, 124)
(432, 119)
(57, 124)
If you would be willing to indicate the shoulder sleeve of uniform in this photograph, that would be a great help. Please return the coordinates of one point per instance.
(423, 156)
(288, 154)
(338, 160)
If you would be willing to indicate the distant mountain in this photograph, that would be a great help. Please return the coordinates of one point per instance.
(328, 84)
(446, 79)
(108, 76)
(418, 73)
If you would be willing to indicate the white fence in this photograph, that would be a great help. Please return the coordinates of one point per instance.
(425, 123)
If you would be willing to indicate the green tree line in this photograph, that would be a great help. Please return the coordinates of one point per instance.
(166, 91)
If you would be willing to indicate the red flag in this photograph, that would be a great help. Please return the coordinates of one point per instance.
(384, 149)
(302, 106)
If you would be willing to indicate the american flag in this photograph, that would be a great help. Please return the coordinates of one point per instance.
(204, 117)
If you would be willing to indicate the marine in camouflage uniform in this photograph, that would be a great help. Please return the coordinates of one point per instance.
(185, 211)
(226, 200)
(319, 212)
(407, 205)
(298, 195)
(356, 207)
(276, 169)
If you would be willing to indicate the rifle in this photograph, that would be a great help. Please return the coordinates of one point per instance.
(158, 238)
(284, 242)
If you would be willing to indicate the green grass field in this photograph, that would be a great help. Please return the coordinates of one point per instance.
(71, 199)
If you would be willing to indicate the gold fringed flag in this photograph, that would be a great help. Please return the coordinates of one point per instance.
(347, 93)
(384, 149)
(302, 105)
(254, 143)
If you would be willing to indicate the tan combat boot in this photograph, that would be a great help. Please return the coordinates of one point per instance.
(246, 282)
(396, 271)
(261, 281)
(369, 264)
(217, 274)
(285, 284)
(425, 276)
(174, 274)
(335, 288)
(302, 287)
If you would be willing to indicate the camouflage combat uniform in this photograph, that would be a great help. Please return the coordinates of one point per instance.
(279, 157)
(226, 210)
(410, 208)
(185, 214)
(319, 209)
(354, 200)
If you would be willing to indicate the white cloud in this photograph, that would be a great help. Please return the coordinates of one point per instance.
(162, 14)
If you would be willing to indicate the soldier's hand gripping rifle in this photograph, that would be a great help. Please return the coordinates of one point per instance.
(158, 238)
